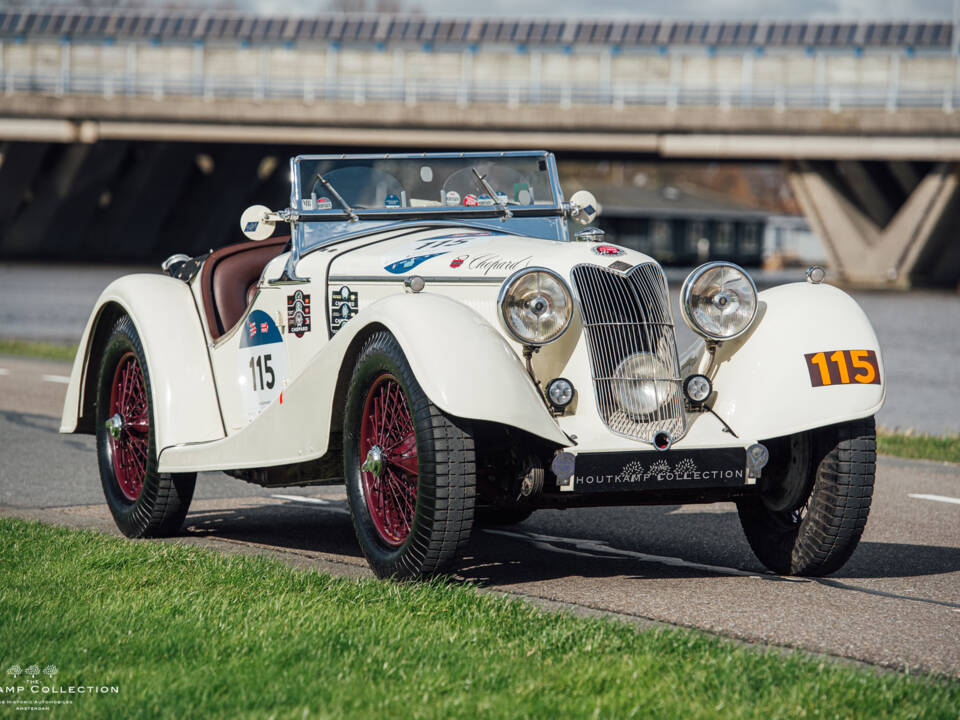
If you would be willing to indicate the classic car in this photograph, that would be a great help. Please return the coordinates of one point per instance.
(434, 335)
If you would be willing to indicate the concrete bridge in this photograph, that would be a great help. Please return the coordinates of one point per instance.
(862, 113)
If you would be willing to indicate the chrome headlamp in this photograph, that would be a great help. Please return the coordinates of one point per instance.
(535, 306)
(718, 300)
(637, 389)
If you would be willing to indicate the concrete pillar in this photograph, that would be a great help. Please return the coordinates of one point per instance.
(866, 253)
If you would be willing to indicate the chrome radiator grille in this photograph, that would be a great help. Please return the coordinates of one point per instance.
(626, 314)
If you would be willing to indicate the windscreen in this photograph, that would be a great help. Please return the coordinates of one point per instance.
(424, 183)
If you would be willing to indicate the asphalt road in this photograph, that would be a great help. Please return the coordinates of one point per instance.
(896, 603)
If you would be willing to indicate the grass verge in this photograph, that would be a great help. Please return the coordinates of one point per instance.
(942, 448)
(184, 632)
(47, 351)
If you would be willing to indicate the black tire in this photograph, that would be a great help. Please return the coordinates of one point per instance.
(161, 504)
(442, 515)
(819, 534)
(495, 515)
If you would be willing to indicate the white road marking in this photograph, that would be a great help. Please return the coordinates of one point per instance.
(300, 498)
(936, 498)
(61, 379)
(4, 371)
(330, 507)
(600, 549)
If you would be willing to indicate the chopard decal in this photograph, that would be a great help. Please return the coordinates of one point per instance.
(401, 266)
(298, 313)
(487, 263)
(343, 306)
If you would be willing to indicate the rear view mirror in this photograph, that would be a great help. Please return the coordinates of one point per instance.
(583, 207)
(258, 222)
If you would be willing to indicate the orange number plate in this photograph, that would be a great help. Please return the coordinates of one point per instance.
(843, 367)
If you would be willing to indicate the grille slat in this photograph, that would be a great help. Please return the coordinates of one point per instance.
(626, 314)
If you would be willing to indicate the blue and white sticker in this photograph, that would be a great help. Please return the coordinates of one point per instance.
(261, 363)
(391, 201)
(407, 264)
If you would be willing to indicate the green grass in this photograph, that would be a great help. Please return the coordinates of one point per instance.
(943, 448)
(185, 632)
(47, 351)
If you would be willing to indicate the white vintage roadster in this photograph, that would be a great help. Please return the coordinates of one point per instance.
(431, 336)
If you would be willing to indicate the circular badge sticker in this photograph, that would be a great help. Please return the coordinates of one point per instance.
(261, 363)
(607, 250)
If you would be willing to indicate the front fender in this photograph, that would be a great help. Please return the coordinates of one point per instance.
(164, 312)
(462, 363)
(762, 382)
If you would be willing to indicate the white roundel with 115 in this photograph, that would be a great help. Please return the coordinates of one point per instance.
(261, 363)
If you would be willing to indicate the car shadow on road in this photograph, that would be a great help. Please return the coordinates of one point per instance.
(893, 560)
(284, 527)
(646, 542)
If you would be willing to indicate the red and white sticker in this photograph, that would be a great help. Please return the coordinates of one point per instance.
(470, 200)
(607, 250)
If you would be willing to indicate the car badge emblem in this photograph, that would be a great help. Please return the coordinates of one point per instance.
(607, 250)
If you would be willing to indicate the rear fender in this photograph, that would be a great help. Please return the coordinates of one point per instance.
(164, 312)
(762, 382)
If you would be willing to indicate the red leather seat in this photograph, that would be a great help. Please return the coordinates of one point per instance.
(229, 280)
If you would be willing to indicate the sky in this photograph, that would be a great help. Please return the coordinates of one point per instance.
(673, 9)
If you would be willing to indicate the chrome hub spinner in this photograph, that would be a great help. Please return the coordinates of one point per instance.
(115, 426)
(374, 462)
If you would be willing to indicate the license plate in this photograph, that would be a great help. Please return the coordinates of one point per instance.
(671, 469)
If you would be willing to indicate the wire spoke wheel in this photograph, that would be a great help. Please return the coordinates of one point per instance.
(130, 415)
(389, 484)
(143, 501)
(410, 470)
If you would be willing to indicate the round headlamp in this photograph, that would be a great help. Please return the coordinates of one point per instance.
(718, 300)
(535, 306)
(636, 389)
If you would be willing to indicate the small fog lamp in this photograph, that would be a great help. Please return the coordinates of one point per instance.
(560, 392)
(697, 388)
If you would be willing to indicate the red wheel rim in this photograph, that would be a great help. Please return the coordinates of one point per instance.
(128, 443)
(390, 489)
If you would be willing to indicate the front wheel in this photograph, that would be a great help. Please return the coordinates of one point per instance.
(410, 470)
(814, 505)
(143, 502)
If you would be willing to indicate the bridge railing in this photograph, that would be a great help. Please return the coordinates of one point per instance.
(259, 89)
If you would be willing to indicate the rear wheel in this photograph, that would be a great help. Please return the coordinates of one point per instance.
(143, 501)
(815, 500)
(410, 470)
